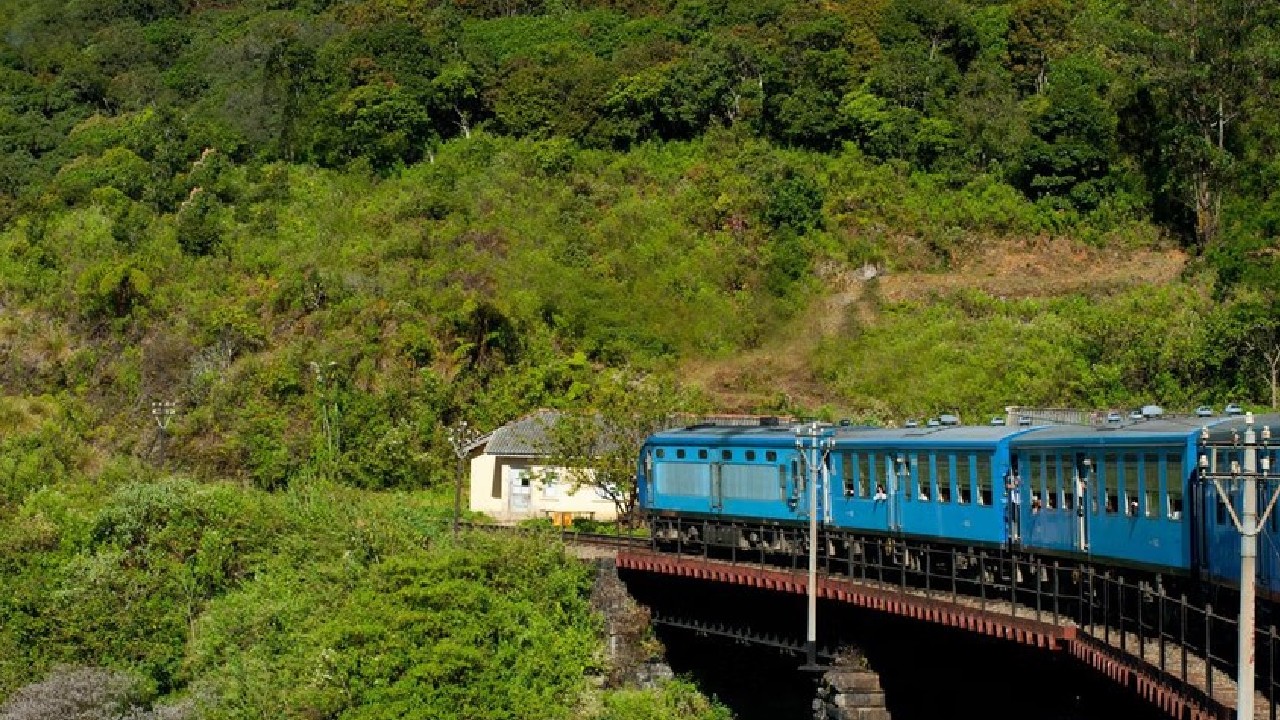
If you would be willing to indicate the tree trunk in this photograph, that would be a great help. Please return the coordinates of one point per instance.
(1208, 205)
(1273, 362)
(463, 122)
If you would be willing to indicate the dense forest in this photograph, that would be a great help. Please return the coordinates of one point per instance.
(323, 232)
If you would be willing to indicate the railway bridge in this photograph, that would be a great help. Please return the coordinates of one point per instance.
(1176, 655)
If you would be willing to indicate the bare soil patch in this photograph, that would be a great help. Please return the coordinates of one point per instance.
(776, 376)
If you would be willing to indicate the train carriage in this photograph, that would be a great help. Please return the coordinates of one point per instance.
(1124, 494)
(708, 471)
(931, 482)
(1216, 544)
(1114, 492)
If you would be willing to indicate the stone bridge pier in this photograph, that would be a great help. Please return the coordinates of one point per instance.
(850, 690)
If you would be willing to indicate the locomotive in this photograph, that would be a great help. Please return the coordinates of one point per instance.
(1128, 495)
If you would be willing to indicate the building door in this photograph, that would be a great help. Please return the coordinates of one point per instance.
(521, 490)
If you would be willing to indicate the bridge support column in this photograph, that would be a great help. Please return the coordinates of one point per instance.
(850, 690)
(635, 657)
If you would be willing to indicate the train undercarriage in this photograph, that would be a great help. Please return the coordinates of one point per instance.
(1076, 587)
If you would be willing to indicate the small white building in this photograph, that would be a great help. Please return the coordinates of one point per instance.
(510, 479)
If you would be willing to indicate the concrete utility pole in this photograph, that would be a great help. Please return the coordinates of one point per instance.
(813, 443)
(1248, 463)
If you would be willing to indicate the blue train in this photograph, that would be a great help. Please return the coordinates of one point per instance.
(1124, 494)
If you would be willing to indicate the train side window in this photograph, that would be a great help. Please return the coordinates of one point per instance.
(920, 478)
(1035, 479)
(903, 469)
(942, 476)
(964, 478)
(1109, 476)
(1066, 482)
(1173, 479)
(1265, 490)
(1131, 480)
(1052, 493)
(770, 456)
(782, 482)
(797, 476)
(751, 454)
(663, 453)
(702, 454)
(946, 475)
(726, 454)
(846, 474)
(866, 479)
(1052, 496)
(1150, 474)
(892, 480)
(982, 467)
(1090, 482)
(679, 453)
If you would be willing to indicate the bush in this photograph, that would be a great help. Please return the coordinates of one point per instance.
(87, 693)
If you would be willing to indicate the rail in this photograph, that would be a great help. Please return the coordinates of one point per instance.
(1190, 647)
(567, 535)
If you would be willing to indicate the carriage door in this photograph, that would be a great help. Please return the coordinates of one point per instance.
(717, 487)
(897, 482)
(1013, 501)
(1086, 501)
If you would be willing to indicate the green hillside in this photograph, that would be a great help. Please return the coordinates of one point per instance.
(327, 230)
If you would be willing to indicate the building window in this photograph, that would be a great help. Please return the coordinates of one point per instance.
(552, 488)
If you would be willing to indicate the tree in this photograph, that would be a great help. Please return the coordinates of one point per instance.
(457, 89)
(1255, 321)
(1037, 34)
(1208, 63)
(599, 447)
(928, 45)
(382, 122)
(1073, 137)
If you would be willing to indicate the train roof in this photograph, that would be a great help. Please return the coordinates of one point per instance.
(1165, 429)
(1222, 431)
(937, 435)
(1169, 428)
(712, 434)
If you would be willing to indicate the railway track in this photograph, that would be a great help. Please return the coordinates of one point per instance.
(574, 537)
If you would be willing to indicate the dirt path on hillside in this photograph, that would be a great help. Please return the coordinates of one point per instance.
(776, 376)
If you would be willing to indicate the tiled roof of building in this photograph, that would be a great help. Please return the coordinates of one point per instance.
(527, 437)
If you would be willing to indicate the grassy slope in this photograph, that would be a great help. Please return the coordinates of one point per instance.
(306, 601)
(884, 326)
